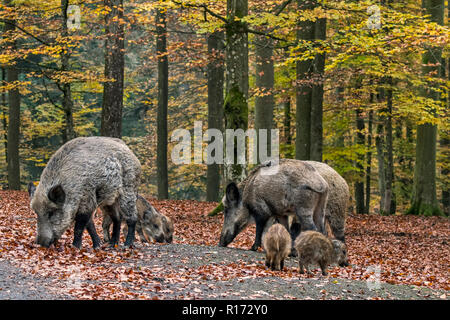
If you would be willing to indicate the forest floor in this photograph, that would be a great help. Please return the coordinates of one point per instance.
(395, 257)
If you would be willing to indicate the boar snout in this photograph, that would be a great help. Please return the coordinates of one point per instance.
(225, 239)
(344, 264)
(160, 238)
(45, 241)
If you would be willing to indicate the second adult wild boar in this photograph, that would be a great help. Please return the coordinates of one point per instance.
(151, 224)
(83, 174)
(291, 187)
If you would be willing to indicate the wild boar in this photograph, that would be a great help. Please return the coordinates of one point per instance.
(337, 203)
(293, 188)
(83, 174)
(315, 248)
(277, 244)
(150, 223)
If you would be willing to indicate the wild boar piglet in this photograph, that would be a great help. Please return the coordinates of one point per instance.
(277, 244)
(315, 248)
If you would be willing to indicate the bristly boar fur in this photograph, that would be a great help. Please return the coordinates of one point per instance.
(294, 188)
(338, 199)
(315, 248)
(150, 225)
(277, 244)
(337, 202)
(83, 174)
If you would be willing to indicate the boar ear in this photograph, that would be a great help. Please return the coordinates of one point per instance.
(31, 189)
(57, 194)
(232, 193)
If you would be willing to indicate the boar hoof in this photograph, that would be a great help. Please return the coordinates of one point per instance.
(254, 247)
(293, 253)
(76, 245)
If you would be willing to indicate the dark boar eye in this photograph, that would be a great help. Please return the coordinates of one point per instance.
(155, 226)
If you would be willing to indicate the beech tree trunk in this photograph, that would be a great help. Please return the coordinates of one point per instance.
(264, 79)
(424, 199)
(316, 145)
(369, 160)
(111, 121)
(67, 104)
(13, 160)
(304, 69)
(215, 107)
(236, 57)
(359, 185)
(163, 98)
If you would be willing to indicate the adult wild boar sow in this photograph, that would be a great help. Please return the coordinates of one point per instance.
(151, 224)
(277, 244)
(294, 188)
(83, 174)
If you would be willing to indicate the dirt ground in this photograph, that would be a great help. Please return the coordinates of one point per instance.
(176, 258)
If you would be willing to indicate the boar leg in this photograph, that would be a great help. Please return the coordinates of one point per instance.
(285, 222)
(128, 208)
(260, 223)
(93, 233)
(300, 266)
(319, 214)
(113, 214)
(323, 267)
(305, 216)
(106, 224)
(81, 221)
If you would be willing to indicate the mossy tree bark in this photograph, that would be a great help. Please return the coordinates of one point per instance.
(236, 57)
(424, 199)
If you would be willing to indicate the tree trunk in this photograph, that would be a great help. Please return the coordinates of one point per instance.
(304, 68)
(264, 81)
(12, 76)
(4, 120)
(424, 199)
(215, 107)
(235, 104)
(316, 144)
(67, 104)
(359, 185)
(445, 142)
(369, 159)
(287, 121)
(111, 121)
(389, 204)
(163, 96)
(379, 142)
